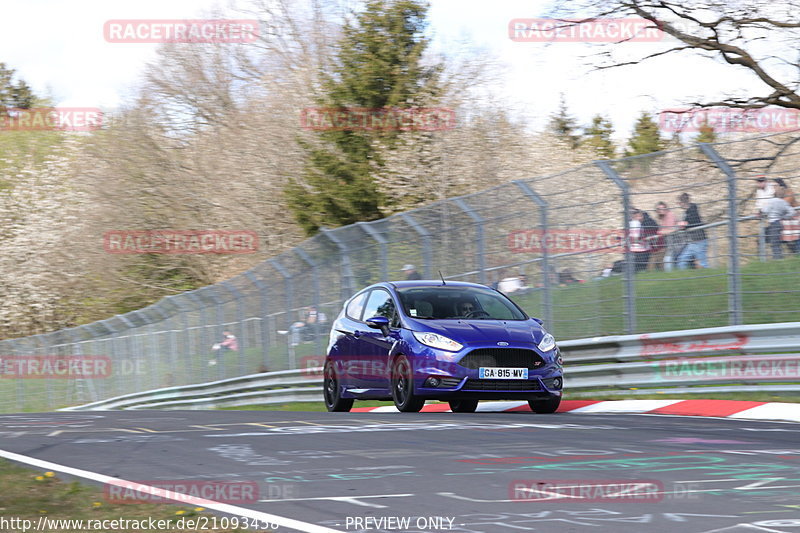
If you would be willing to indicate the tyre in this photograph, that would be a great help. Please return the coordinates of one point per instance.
(333, 391)
(463, 406)
(403, 388)
(545, 406)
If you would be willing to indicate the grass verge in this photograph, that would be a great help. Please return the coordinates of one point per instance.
(33, 495)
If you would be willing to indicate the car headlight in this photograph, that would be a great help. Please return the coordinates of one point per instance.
(434, 340)
(547, 343)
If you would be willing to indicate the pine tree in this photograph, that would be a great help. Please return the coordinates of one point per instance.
(378, 65)
(707, 133)
(564, 125)
(598, 137)
(646, 138)
(13, 95)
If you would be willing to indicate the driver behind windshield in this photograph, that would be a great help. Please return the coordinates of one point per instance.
(466, 309)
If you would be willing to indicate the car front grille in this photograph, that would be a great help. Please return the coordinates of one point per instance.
(501, 385)
(502, 357)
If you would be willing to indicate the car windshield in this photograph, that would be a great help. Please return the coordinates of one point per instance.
(458, 303)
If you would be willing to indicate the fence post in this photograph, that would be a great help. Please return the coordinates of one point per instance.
(205, 340)
(315, 295)
(630, 294)
(734, 278)
(541, 203)
(426, 242)
(479, 234)
(347, 270)
(287, 277)
(381, 240)
(241, 343)
(177, 299)
(264, 311)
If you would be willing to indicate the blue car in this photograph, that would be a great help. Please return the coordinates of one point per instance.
(411, 341)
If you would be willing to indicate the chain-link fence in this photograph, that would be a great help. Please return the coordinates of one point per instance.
(567, 247)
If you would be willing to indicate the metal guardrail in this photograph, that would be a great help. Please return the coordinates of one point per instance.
(620, 364)
(273, 387)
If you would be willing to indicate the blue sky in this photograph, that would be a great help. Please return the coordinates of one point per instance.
(58, 48)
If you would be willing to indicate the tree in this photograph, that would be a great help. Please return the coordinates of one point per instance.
(598, 137)
(707, 133)
(759, 36)
(17, 95)
(378, 65)
(564, 125)
(646, 138)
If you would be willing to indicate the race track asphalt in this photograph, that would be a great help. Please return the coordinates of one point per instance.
(481, 473)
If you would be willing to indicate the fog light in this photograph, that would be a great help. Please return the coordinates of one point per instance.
(432, 382)
(557, 383)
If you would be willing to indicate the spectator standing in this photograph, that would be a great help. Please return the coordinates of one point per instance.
(764, 191)
(411, 272)
(228, 343)
(638, 245)
(666, 242)
(775, 210)
(696, 248)
(788, 193)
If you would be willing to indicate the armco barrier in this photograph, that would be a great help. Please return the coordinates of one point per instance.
(731, 358)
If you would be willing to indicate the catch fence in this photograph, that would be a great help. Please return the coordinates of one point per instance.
(559, 245)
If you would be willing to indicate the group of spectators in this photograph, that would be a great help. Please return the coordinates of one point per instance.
(775, 203)
(670, 238)
(678, 238)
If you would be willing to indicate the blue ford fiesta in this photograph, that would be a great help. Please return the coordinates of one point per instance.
(411, 341)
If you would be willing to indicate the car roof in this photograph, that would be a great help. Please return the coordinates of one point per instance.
(405, 284)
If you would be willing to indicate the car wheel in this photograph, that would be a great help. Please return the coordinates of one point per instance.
(403, 388)
(333, 392)
(545, 406)
(463, 406)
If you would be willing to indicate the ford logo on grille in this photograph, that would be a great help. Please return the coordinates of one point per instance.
(502, 343)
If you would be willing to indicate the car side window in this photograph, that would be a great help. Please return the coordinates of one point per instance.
(380, 303)
(355, 306)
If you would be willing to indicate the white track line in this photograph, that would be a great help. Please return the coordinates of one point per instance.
(290, 523)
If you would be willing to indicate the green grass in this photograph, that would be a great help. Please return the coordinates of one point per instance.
(29, 495)
(675, 300)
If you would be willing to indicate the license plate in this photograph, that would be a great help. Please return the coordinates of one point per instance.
(486, 372)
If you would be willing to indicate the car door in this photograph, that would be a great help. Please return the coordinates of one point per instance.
(375, 345)
(347, 354)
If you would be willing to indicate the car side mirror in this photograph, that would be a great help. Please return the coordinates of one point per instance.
(538, 320)
(379, 322)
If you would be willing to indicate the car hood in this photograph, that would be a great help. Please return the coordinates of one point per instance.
(468, 331)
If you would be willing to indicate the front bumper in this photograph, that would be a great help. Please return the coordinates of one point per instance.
(457, 381)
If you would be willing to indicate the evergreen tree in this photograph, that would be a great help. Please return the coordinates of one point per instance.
(378, 65)
(598, 136)
(646, 138)
(17, 95)
(707, 133)
(564, 125)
